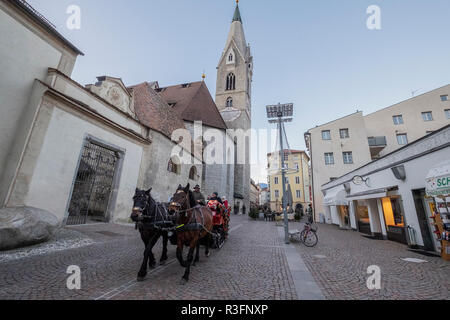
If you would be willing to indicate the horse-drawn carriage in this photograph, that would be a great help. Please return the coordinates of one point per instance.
(183, 222)
(220, 223)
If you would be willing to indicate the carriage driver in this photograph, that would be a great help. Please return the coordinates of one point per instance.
(198, 196)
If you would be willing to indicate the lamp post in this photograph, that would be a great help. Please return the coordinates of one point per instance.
(280, 114)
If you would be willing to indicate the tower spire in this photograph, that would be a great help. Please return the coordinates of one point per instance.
(237, 13)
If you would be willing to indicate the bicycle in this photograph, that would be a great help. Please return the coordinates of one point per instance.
(308, 236)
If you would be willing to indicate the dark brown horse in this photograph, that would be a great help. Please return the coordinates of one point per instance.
(194, 227)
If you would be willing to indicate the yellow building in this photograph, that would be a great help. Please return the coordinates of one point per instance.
(298, 179)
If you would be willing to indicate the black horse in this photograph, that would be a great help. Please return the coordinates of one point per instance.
(153, 221)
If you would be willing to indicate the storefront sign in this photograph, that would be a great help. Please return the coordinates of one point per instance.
(438, 180)
(438, 186)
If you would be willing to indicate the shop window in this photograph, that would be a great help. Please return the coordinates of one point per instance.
(362, 218)
(392, 212)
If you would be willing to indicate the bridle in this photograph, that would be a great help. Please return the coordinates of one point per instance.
(148, 202)
(181, 205)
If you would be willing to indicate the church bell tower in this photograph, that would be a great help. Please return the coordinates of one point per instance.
(233, 97)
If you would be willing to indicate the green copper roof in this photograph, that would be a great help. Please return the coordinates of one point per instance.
(237, 14)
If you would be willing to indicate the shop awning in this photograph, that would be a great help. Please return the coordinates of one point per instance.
(438, 180)
(335, 198)
(369, 194)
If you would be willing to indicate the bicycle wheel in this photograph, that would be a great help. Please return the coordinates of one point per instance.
(309, 238)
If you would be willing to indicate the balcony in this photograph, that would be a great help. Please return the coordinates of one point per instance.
(376, 145)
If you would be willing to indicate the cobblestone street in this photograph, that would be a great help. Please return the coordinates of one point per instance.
(254, 264)
(339, 265)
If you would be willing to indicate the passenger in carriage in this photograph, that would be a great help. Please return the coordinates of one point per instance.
(215, 197)
(226, 216)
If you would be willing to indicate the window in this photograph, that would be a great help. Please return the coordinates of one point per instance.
(276, 180)
(297, 180)
(172, 167)
(286, 180)
(231, 81)
(402, 139)
(286, 156)
(230, 58)
(277, 193)
(193, 173)
(444, 97)
(398, 120)
(344, 133)
(427, 116)
(348, 157)
(229, 102)
(447, 113)
(329, 158)
(326, 135)
(298, 194)
(297, 166)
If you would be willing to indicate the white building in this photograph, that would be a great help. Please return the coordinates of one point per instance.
(386, 198)
(79, 152)
(345, 144)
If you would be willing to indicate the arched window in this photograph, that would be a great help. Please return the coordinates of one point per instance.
(230, 58)
(231, 81)
(229, 102)
(173, 167)
(193, 173)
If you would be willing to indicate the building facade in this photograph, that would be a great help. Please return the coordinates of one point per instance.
(80, 151)
(233, 98)
(297, 179)
(386, 198)
(345, 144)
(254, 195)
(264, 195)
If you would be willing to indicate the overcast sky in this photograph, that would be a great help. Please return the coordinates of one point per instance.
(318, 54)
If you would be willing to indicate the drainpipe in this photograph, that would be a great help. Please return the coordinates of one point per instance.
(308, 134)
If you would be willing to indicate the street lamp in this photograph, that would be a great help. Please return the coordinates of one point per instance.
(280, 114)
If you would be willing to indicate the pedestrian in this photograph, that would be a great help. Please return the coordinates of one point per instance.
(309, 214)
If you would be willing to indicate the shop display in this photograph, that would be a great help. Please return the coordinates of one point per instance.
(441, 218)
